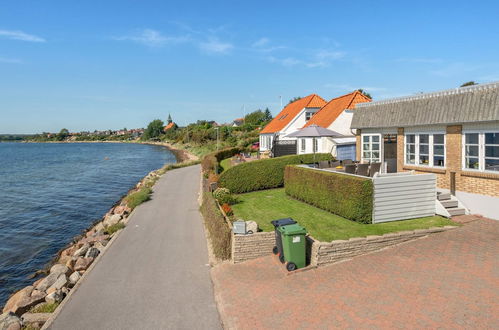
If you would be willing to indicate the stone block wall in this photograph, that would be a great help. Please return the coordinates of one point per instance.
(327, 253)
(247, 247)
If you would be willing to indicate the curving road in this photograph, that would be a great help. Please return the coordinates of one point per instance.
(156, 274)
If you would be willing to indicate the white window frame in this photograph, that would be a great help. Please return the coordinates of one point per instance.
(431, 154)
(315, 145)
(370, 142)
(303, 145)
(481, 150)
(308, 115)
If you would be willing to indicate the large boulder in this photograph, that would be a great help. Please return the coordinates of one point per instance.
(54, 297)
(83, 263)
(60, 269)
(92, 253)
(61, 282)
(112, 220)
(122, 210)
(10, 321)
(81, 251)
(74, 278)
(23, 300)
(47, 282)
(35, 320)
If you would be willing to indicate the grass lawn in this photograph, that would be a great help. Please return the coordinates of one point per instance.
(266, 205)
(226, 164)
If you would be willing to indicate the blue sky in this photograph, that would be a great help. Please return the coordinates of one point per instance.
(111, 64)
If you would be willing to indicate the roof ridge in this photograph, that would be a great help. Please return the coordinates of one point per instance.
(452, 91)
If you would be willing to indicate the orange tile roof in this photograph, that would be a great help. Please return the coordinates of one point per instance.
(291, 110)
(167, 127)
(329, 112)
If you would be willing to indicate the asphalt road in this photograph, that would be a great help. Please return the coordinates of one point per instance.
(156, 274)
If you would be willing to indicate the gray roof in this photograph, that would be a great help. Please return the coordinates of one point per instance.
(477, 103)
(314, 131)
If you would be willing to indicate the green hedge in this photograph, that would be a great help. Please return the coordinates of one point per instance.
(218, 230)
(264, 173)
(348, 196)
(212, 160)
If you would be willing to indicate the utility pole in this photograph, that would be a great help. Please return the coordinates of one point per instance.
(280, 98)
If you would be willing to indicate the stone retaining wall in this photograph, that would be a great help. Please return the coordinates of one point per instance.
(327, 253)
(247, 247)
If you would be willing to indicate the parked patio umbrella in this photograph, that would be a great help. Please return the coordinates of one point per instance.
(315, 131)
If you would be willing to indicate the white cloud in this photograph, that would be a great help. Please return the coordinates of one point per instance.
(10, 60)
(215, 46)
(260, 43)
(19, 35)
(152, 38)
(288, 61)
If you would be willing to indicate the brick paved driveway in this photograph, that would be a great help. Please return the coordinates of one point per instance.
(448, 280)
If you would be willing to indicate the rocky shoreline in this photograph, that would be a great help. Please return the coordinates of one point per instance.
(28, 307)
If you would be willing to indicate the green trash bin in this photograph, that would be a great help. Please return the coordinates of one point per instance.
(293, 245)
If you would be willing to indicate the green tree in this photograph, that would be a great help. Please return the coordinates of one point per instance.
(64, 133)
(294, 99)
(254, 118)
(153, 130)
(365, 93)
(469, 83)
(268, 115)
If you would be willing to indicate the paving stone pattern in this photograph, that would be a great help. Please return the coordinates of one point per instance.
(447, 280)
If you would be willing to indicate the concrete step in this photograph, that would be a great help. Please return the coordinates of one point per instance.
(456, 211)
(443, 196)
(448, 203)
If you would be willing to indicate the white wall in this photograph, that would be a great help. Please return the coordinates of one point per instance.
(263, 142)
(324, 145)
(342, 123)
(487, 206)
(297, 123)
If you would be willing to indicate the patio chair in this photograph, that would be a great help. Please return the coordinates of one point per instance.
(347, 161)
(374, 168)
(363, 169)
(335, 164)
(350, 168)
(324, 164)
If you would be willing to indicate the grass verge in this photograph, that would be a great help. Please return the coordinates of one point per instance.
(266, 205)
(135, 199)
(114, 228)
(44, 308)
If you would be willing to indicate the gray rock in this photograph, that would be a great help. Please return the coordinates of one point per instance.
(83, 263)
(54, 297)
(23, 300)
(100, 246)
(62, 280)
(60, 269)
(35, 320)
(9, 321)
(47, 282)
(92, 253)
(251, 227)
(74, 278)
(112, 220)
(81, 251)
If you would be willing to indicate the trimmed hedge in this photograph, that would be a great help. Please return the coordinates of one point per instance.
(211, 160)
(218, 230)
(263, 173)
(348, 196)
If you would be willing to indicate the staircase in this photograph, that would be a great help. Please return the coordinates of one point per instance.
(450, 203)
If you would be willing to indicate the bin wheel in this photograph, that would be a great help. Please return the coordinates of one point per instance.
(290, 266)
(281, 258)
(249, 232)
(275, 250)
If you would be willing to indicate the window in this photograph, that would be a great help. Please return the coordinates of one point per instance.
(316, 144)
(439, 150)
(425, 149)
(308, 115)
(371, 148)
(410, 149)
(481, 151)
(302, 144)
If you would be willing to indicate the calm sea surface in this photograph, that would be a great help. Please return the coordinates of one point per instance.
(50, 193)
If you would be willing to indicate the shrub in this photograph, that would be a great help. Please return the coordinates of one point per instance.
(212, 160)
(218, 230)
(212, 177)
(264, 173)
(114, 228)
(223, 196)
(135, 199)
(345, 195)
(44, 308)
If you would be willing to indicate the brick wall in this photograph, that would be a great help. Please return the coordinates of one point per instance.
(358, 146)
(247, 247)
(328, 253)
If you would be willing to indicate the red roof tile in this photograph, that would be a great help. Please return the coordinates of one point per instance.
(329, 112)
(291, 110)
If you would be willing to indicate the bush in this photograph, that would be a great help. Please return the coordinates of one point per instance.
(114, 228)
(218, 230)
(227, 209)
(264, 173)
(223, 196)
(44, 308)
(212, 160)
(348, 196)
(135, 199)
